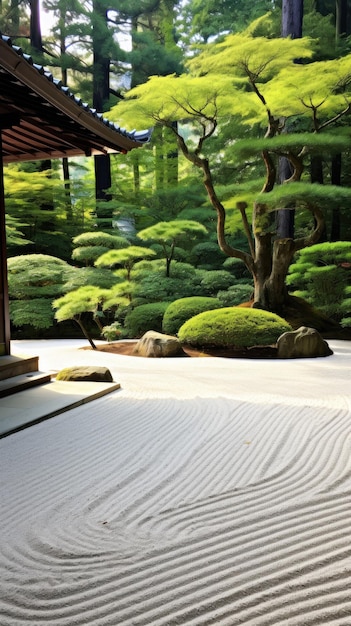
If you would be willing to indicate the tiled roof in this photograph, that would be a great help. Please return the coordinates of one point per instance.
(28, 92)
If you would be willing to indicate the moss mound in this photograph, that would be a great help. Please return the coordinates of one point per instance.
(183, 309)
(233, 327)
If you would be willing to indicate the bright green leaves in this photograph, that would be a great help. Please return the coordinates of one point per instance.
(246, 76)
(323, 87)
(125, 257)
(242, 56)
(169, 232)
(171, 98)
(82, 300)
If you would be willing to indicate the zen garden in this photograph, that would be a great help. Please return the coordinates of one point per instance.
(175, 249)
(231, 226)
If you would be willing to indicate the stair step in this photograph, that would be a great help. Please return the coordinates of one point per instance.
(15, 365)
(22, 382)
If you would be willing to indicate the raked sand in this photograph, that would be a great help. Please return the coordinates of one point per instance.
(204, 491)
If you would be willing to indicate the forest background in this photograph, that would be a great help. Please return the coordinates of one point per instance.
(109, 235)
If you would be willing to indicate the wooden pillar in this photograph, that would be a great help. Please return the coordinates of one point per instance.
(4, 299)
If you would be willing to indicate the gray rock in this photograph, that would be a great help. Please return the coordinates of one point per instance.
(86, 372)
(302, 343)
(155, 345)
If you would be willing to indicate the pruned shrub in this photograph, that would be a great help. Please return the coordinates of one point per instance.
(321, 274)
(215, 280)
(236, 294)
(233, 327)
(143, 318)
(183, 309)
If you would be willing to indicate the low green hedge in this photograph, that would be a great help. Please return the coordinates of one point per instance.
(143, 318)
(233, 327)
(183, 309)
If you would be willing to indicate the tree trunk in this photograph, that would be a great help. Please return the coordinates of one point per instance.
(158, 136)
(341, 18)
(35, 30)
(85, 332)
(101, 93)
(172, 157)
(67, 186)
(342, 29)
(285, 218)
(104, 215)
(292, 15)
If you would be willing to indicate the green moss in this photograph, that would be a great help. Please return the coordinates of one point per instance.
(183, 309)
(233, 327)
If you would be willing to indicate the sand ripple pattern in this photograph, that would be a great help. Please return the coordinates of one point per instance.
(160, 512)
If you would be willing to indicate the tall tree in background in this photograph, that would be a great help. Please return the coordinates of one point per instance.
(342, 29)
(35, 27)
(155, 51)
(101, 93)
(292, 17)
(201, 20)
(342, 18)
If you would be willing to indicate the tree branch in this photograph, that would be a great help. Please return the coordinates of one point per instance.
(314, 237)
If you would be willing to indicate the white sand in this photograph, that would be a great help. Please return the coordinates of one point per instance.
(205, 491)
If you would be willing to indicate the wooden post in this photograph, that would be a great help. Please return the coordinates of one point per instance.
(4, 298)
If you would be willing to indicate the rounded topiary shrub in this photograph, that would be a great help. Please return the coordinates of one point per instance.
(183, 309)
(233, 327)
(143, 318)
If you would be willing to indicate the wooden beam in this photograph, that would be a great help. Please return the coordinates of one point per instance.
(4, 298)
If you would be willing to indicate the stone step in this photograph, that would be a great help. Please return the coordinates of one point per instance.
(16, 365)
(28, 380)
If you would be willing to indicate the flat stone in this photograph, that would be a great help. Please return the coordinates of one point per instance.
(302, 343)
(156, 345)
(85, 372)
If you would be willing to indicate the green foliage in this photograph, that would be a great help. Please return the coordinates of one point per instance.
(120, 295)
(96, 277)
(178, 254)
(233, 327)
(112, 332)
(143, 318)
(170, 232)
(34, 280)
(88, 247)
(237, 294)
(15, 238)
(72, 305)
(346, 308)
(126, 257)
(320, 144)
(149, 57)
(183, 309)
(37, 275)
(37, 201)
(237, 268)
(204, 20)
(151, 284)
(215, 280)
(321, 274)
(36, 312)
(306, 195)
(208, 255)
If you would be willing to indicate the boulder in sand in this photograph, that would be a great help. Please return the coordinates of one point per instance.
(302, 343)
(155, 345)
(93, 373)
